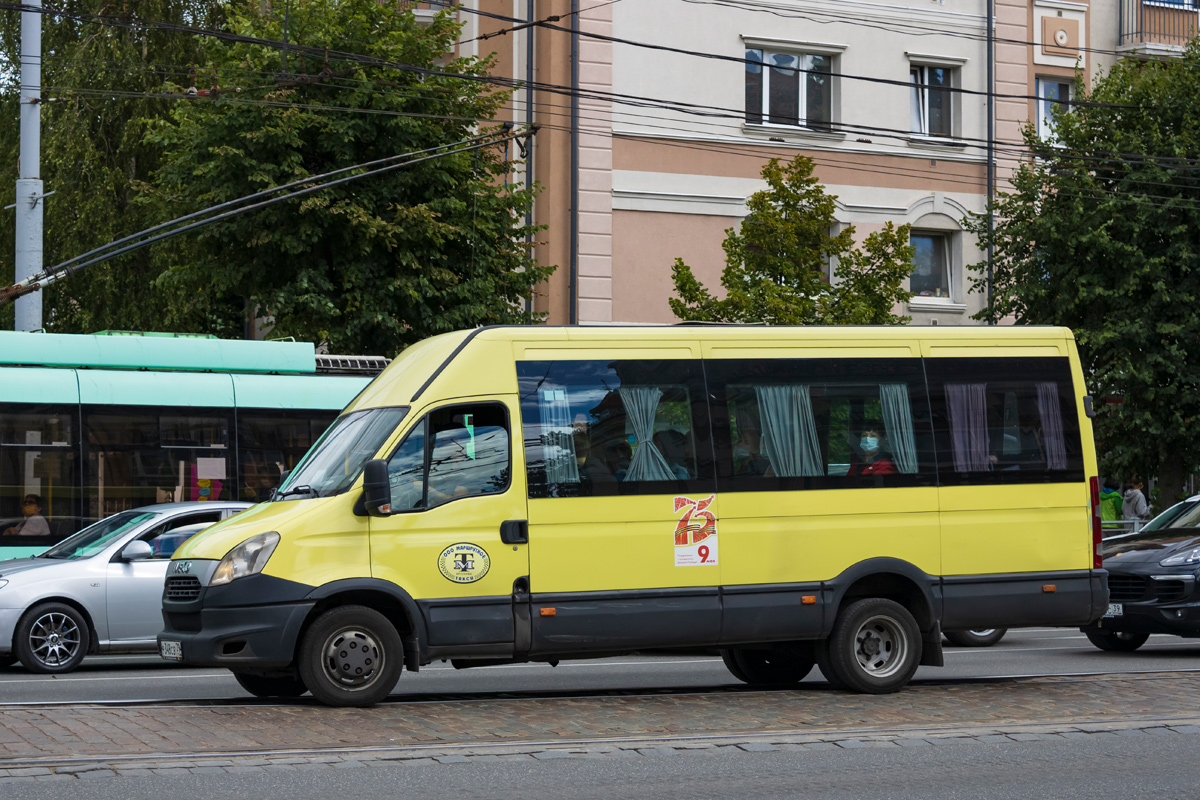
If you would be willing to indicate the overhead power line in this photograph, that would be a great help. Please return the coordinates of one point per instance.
(310, 184)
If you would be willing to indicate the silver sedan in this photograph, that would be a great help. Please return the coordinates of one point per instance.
(99, 591)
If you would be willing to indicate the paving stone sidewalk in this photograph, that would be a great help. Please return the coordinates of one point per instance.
(185, 738)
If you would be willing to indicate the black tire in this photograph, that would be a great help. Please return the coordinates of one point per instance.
(774, 666)
(271, 686)
(1116, 641)
(875, 646)
(351, 656)
(732, 665)
(984, 637)
(52, 638)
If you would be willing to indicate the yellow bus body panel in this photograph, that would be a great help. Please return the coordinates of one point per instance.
(320, 539)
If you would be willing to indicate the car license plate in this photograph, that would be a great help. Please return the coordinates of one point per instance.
(1115, 610)
(172, 651)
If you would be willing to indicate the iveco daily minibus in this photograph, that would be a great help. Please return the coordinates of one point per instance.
(793, 497)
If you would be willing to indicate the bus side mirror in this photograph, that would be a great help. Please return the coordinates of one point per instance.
(377, 489)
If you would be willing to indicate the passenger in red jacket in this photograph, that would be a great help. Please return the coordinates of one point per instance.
(874, 461)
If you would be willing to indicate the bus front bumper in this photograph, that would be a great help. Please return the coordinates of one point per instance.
(248, 636)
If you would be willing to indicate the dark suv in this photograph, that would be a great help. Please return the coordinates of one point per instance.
(1152, 581)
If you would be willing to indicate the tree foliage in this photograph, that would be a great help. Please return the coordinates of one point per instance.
(103, 84)
(1101, 233)
(774, 266)
(368, 266)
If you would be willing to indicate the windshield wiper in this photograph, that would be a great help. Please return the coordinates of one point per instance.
(305, 489)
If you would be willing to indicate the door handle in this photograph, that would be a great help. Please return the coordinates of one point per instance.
(514, 531)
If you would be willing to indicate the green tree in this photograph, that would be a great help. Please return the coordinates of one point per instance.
(774, 265)
(1101, 233)
(103, 85)
(373, 265)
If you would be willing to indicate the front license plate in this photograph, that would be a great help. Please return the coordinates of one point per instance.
(172, 651)
(1115, 610)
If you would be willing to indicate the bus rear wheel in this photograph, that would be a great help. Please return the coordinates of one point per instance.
(351, 656)
(875, 647)
(271, 685)
(782, 664)
(1117, 641)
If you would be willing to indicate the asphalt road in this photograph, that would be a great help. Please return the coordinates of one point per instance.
(1035, 651)
(1081, 769)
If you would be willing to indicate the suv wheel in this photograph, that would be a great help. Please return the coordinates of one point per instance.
(351, 656)
(983, 637)
(1116, 641)
(52, 638)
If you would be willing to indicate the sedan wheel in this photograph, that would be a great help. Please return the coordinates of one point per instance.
(52, 638)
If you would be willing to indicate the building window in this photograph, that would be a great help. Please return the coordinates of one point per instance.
(1052, 101)
(931, 265)
(789, 89)
(931, 100)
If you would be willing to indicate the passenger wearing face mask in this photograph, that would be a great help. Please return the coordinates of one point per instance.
(874, 462)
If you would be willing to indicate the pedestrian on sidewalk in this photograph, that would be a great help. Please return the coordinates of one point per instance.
(1134, 506)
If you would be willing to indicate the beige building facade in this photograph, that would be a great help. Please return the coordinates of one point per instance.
(656, 118)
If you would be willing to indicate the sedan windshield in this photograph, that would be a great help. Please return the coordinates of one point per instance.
(94, 538)
(338, 456)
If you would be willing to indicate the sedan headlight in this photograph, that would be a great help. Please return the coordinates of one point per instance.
(1181, 559)
(248, 558)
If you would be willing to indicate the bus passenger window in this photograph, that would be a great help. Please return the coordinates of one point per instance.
(596, 428)
(1006, 420)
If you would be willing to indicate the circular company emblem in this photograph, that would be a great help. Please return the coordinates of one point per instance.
(463, 562)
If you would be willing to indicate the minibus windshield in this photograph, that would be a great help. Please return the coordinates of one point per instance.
(338, 456)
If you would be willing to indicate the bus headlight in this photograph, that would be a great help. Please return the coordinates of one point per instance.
(248, 558)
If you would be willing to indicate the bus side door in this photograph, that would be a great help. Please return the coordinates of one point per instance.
(454, 539)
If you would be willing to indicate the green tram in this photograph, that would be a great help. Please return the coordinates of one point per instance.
(96, 424)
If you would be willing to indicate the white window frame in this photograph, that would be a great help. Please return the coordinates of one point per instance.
(947, 242)
(919, 94)
(1044, 112)
(804, 51)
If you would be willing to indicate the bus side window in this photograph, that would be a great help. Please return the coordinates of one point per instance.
(406, 471)
(468, 454)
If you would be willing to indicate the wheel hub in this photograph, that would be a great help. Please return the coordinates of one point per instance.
(352, 658)
(54, 639)
(880, 646)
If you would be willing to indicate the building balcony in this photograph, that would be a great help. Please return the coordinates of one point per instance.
(1157, 28)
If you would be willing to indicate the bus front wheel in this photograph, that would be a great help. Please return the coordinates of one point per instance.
(351, 656)
(875, 647)
(781, 664)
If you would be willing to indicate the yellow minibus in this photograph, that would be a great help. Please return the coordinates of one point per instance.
(828, 496)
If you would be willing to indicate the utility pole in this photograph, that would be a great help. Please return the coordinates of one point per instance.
(29, 183)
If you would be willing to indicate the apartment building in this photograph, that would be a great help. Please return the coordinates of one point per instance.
(656, 117)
